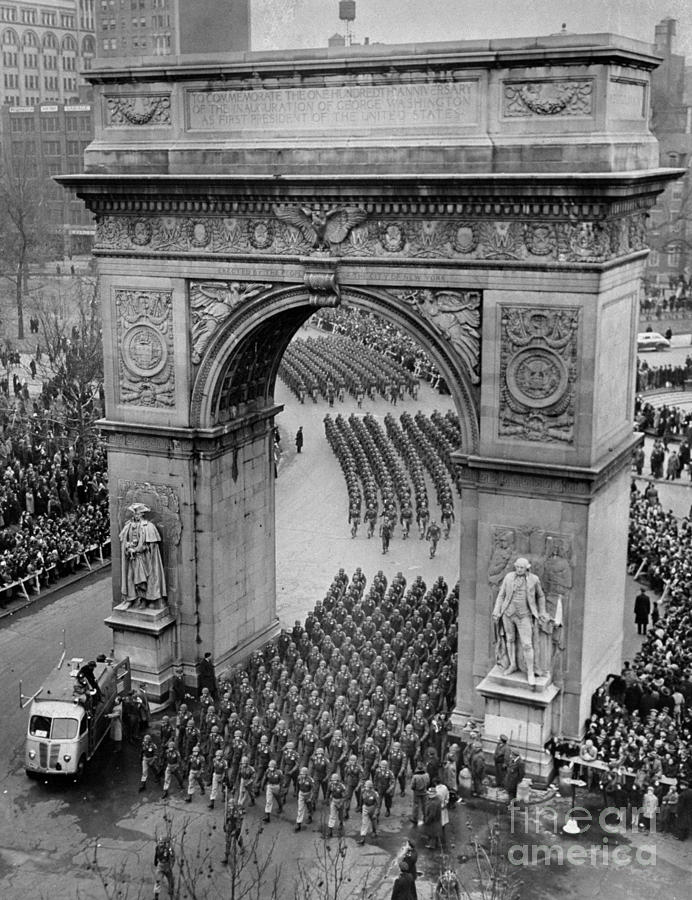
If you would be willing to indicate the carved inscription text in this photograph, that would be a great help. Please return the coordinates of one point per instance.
(340, 108)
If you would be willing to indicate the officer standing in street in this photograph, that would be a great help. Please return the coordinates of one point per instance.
(164, 857)
(233, 827)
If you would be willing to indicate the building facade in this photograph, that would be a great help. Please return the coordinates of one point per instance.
(171, 27)
(45, 46)
(670, 222)
(51, 139)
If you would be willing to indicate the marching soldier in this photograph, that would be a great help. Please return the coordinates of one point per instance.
(172, 762)
(370, 804)
(246, 774)
(336, 795)
(148, 754)
(271, 782)
(219, 773)
(433, 535)
(306, 786)
(353, 778)
(195, 773)
(384, 783)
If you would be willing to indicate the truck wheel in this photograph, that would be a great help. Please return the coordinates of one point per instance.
(79, 773)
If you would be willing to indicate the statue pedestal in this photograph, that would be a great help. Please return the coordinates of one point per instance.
(523, 713)
(148, 637)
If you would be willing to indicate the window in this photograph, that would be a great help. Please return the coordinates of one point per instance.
(29, 124)
(29, 16)
(50, 41)
(9, 59)
(67, 20)
(31, 82)
(73, 148)
(15, 125)
(12, 81)
(70, 123)
(50, 123)
(50, 62)
(68, 63)
(9, 37)
(85, 126)
(31, 60)
(51, 83)
(48, 18)
(29, 39)
(654, 259)
(51, 148)
(8, 14)
(674, 258)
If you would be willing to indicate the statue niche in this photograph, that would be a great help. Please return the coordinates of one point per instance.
(550, 559)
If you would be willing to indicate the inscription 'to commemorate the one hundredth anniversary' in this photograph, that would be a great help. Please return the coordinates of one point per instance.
(316, 109)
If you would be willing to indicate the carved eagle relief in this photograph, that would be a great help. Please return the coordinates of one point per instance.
(321, 229)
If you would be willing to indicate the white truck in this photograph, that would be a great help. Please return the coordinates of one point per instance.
(68, 720)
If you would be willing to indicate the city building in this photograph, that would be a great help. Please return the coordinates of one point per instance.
(670, 222)
(171, 27)
(45, 46)
(51, 139)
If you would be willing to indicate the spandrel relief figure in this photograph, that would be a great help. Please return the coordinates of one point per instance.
(143, 582)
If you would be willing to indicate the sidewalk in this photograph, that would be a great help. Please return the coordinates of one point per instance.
(20, 603)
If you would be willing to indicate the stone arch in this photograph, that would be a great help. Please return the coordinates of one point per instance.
(270, 322)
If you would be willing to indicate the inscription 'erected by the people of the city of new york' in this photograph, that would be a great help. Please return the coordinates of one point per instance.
(317, 109)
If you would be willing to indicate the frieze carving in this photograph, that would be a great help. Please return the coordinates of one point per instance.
(351, 233)
(538, 373)
(551, 556)
(456, 316)
(135, 111)
(211, 303)
(547, 98)
(144, 327)
(321, 229)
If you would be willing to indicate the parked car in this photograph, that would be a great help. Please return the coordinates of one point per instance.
(652, 340)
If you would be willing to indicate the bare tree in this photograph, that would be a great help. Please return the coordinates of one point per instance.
(333, 873)
(72, 359)
(198, 873)
(24, 235)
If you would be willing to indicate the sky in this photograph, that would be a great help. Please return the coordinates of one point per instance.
(279, 24)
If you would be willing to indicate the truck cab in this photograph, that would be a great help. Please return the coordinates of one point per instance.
(67, 723)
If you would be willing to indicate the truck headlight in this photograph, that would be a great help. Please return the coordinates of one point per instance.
(32, 754)
(67, 757)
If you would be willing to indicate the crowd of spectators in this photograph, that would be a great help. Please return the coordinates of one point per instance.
(652, 378)
(641, 722)
(676, 302)
(53, 499)
(664, 422)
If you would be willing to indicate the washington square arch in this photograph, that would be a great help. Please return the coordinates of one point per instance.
(490, 199)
